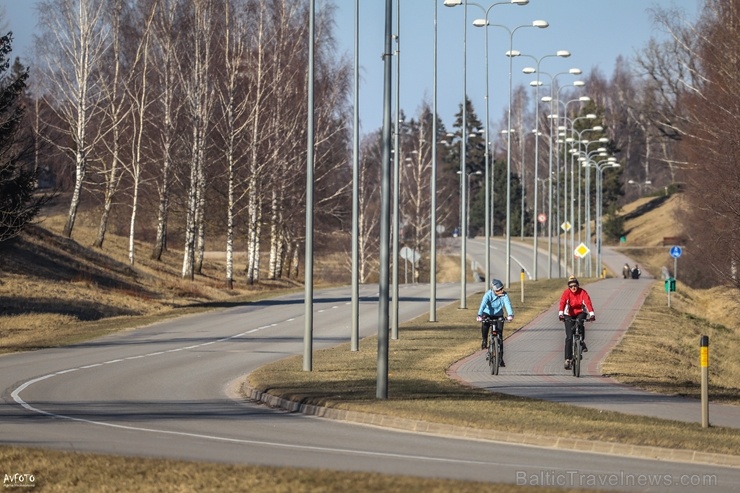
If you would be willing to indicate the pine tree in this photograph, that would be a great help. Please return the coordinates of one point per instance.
(18, 205)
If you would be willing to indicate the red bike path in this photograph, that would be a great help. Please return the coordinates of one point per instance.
(534, 359)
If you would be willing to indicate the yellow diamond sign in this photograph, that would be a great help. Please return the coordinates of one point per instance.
(581, 250)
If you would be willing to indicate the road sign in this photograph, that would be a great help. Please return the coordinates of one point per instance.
(410, 254)
(676, 251)
(581, 251)
(565, 226)
(541, 218)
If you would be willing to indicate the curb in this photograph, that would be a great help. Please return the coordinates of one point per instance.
(456, 431)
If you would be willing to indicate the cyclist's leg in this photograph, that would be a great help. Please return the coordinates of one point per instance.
(500, 331)
(569, 323)
(484, 334)
(581, 322)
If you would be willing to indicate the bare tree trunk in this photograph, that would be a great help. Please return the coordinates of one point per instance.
(165, 37)
(72, 52)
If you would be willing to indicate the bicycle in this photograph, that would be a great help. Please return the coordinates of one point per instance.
(494, 352)
(578, 335)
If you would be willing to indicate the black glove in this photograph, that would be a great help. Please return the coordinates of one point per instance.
(561, 318)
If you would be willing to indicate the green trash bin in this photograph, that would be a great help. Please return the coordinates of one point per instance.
(670, 285)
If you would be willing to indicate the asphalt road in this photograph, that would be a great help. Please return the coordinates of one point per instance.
(167, 391)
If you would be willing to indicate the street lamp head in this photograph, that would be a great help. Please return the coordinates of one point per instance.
(584, 99)
(513, 53)
(563, 53)
(591, 116)
(597, 128)
(547, 99)
(612, 159)
(520, 2)
(453, 3)
(529, 70)
(575, 71)
(601, 149)
(579, 83)
(536, 83)
(603, 140)
(541, 24)
(480, 23)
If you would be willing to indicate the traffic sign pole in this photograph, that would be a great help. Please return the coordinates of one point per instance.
(675, 252)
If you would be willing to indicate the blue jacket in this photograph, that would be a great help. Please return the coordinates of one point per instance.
(493, 305)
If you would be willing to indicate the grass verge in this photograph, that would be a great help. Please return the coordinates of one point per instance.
(420, 389)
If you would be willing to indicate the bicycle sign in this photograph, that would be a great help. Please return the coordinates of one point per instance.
(676, 251)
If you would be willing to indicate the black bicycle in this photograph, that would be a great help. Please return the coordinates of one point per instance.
(578, 335)
(495, 343)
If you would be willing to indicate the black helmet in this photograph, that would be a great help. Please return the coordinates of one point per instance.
(497, 285)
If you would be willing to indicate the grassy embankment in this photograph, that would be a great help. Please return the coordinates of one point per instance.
(51, 282)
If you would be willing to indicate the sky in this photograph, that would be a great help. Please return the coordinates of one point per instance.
(595, 32)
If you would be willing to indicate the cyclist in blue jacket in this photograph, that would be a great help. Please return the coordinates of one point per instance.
(493, 304)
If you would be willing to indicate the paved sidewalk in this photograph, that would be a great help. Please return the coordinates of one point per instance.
(534, 359)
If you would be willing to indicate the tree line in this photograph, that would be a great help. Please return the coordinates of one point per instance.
(184, 121)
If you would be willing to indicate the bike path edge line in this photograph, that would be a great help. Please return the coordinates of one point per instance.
(455, 431)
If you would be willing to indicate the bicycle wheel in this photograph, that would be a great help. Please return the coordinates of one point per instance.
(490, 354)
(495, 356)
(577, 355)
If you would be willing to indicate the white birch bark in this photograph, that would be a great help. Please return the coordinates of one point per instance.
(73, 43)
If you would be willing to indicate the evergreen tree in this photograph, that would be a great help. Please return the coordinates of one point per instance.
(18, 206)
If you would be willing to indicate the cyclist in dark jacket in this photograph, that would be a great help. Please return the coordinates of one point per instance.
(575, 304)
(493, 304)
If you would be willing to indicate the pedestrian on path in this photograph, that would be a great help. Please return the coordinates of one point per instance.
(493, 304)
(575, 305)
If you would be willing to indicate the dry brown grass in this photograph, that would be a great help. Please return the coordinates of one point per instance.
(64, 472)
(50, 281)
(419, 388)
(660, 352)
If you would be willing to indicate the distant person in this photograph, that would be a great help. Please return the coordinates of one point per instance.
(636, 272)
(493, 304)
(626, 271)
(575, 304)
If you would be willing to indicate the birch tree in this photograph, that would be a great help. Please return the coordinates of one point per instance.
(235, 102)
(72, 46)
(199, 97)
(166, 34)
(138, 92)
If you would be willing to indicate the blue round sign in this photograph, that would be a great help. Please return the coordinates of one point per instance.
(676, 251)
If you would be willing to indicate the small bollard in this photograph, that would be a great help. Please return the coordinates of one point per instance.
(704, 361)
(521, 279)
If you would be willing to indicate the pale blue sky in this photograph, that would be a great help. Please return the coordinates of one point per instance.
(596, 32)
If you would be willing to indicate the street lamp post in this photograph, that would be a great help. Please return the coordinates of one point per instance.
(488, 191)
(511, 54)
(610, 162)
(463, 166)
(538, 83)
(555, 123)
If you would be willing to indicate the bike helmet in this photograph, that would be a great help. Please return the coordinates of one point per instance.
(573, 280)
(497, 285)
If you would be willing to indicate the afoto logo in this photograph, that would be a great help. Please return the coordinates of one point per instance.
(19, 480)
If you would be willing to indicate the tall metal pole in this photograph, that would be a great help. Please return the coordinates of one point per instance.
(308, 295)
(385, 210)
(355, 336)
(463, 167)
(396, 176)
(550, 221)
(433, 188)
